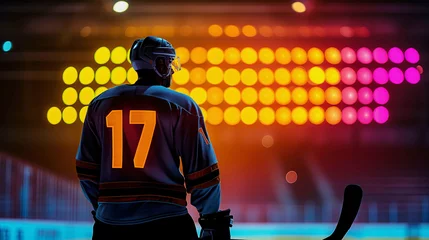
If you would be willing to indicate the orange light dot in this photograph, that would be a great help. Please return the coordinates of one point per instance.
(333, 95)
(266, 76)
(333, 76)
(181, 77)
(249, 77)
(299, 96)
(333, 115)
(299, 55)
(299, 76)
(267, 116)
(249, 55)
(183, 54)
(249, 115)
(283, 56)
(215, 30)
(316, 115)
(266, 31)
(333, 55)
(232, 77)
(215, 56)
(232, 116)
(283, 96)
(266, 96)
(299, 115)
(316, 75)
(266, 55)
(198, 55)
(316, 96)
(214, 75)
(232, 31)
(249, 95)
(316, 56)
(291, 177)
(232, 55)
(249, 31)
(215, 95)
(232, 95)
(214, 115)
(199, 95)
(283, 116)
(198, 76)
(267, 141)
(282, 76)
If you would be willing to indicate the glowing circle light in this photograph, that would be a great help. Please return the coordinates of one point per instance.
(214, 115)
(381, 95)
(380, 76)
(333, 115)
(69, 96)
(54, 115)
(316, 115)
(333, 95)
(396, 55)
(249, 115)
(316, 75)
(249, 55)
(348, 55)
(214, 75)
(102, 75)
(232, 96)
(348, 76)
(215, 30)
(283, 96)
(380, 55)
(232, 116)
(316, 56)
(299, 55)
(283, 56)
(266, 96)
(364, 55)
(291, 177)
(349, 115)
(299, 96)
(215, 95)
(282, 76)
(86, 95)
(381, 115)
(364, 75)
(299, 116)
(412, 56)
(70, 75)
(232, 31)
(102, 55)
(232, 77)
(266, 76)
(349, 95)
(299, 76)
(69, 115)
(86, 75)
(215, 56)
(232, 55)
(119, 75)
(365, 115)
(199, 95)
(181, 77)
(396, 75)
(333, 55)
(412, 75)
(249, 95)
(249, 77)
(283, 116)
(198, 76)
(266, 55)
(333, 76)
(118, 55)
(249, 31)
(198, 55)
(365, 95)
(183, 54)
(267, 116)
(316, 96)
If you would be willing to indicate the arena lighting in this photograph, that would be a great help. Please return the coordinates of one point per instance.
(298, 7)
(7, 46)
(120, 6)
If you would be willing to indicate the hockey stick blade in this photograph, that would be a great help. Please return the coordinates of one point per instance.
(351, 204)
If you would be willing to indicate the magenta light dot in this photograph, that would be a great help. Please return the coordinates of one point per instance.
(411, 55)
(364, 55)
(396, 75)
(396, 55)
(381, 95)
(349, 95)
(365, 95)
(380, 55)
(364, 76)
(380, 75)
(349, 115)
(348, 76)
(412, 75)
(381, 115)
(348, 55)
(365, 115)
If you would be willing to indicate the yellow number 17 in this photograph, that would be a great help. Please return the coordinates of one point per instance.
(114, 121)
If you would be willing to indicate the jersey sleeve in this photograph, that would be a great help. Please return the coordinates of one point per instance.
(88, 160)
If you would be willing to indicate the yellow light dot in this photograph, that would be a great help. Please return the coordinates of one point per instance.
(198, 55)
(70, 75)
(266, 31)
(204, 112)
(333, 76)
(54, 115)
(82, 113)
(69, 115)
(69, 96)
(267, 116)
(86, 75)
(100, 90)
(232, 55)
(198, 76)
(86, 95)
(215, 95)
(316, 115)
(214, 115)
(299, 115)
(333, 55)
(232, 116)
(317, 96)
(266, 55)
(215, 56)
(299, 55)
(283, 116)
(102, 55)
(249, 77)
(249, 115)
(119, 75)
(199, 95)
(214, 75)
(128, 55)
(316, 56)
(266, 96)
(249, 31)
(183, 54)
(282, 76)
(316, 75)
(181, 77)
(132, 75)
(232, 77)
(299, 96)
(232, 95)
(232, 31)
(119, 55)
(182, 90)
(215, 30)
(298, 7)
(283, 56)
(333, 95)
(266, 76)
(102, 75)
(299, 76)
(283, 96)
(249, 95)
(249, 55)
(333, 115)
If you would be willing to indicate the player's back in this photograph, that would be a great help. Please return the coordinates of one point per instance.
(139, 166)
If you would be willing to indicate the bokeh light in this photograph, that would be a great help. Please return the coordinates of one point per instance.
(348, 76)
(70, 75)
(215, 56)
(283, 56)
(291, 177)
(102, 55)
(348, 55)
(349, 95)
(333, 95)
(412, 75)
(249, 115)
(249, 95)
(299, 55)
(100, 90)
(316, 56)
(232, 31)
(54, 115)
(249, 55)
(283, 116)
(69, 115)
(118, 55)
(119, 75)
(396, 55)
(333, 115)
(380, 55)
(298, 7)
(365, 115)
(182, 90)
(266, 76)
(282, 76)
(380, 75)
(198, 76)
(86, 95)
(267, 141)
(7, 46)
(249, 77)
(183, 54)
(396, 75)
(102, 75)
(249, 31)
(86, 75)
(214, 75)
(365, 95)
(316, 75)
(412, 56)
(214, 115)
(266, 96)
(232, 55)
(199, 95)
(215, 30)
(299, 96)
(364, 75)
(266, 55)
(132, 75)
(266, 31)
(82, 113)
(198, 55)
(267, 116)
(181, 77)
(381, 95)
(232, 95)
(299, 115)
(381, 115)
(333, 55)
(120, 6)
(316, 115)
(349, 115)
(69, 96)
(299, 76)
(316, 96)
(283, 96)
(333, 76)
(232, 77)
(364, 55)
(232, 116)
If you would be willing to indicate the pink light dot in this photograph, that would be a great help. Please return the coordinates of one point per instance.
(396, 75)
(348, 76)
(365, 115)
(381, 95)
(411, 55)
(364, 76)
(412, 75)
(364, 55)
(380, 55)
(380, 76)
(396, 55)
(349, 115)
(348, 55)
(365, 95)
(381, 115)
(349, 95)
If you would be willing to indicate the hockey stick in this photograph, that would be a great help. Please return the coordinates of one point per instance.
(351, 204)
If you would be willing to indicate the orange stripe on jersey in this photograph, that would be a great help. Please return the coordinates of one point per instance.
(204, 135)
(203, 179)
(201, 173)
